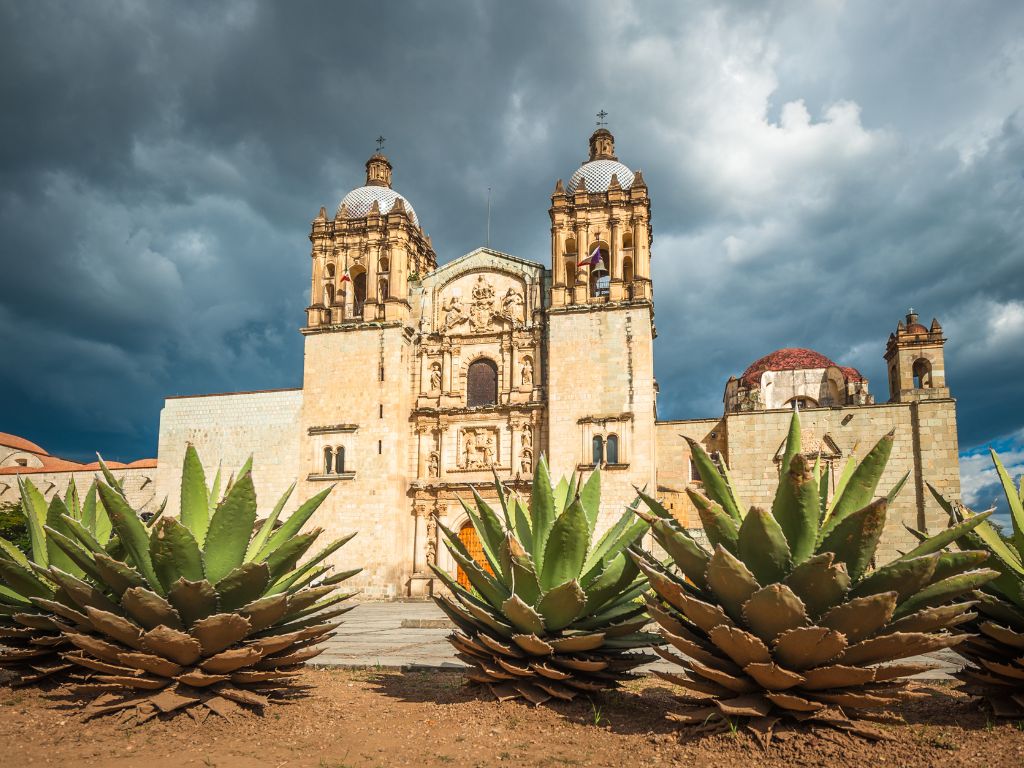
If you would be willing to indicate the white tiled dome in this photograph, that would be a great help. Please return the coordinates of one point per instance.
(597, 175)
(359, 201)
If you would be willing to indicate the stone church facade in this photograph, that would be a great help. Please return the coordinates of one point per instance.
(420, 380)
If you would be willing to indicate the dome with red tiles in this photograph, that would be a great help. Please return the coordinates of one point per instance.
(793, 359)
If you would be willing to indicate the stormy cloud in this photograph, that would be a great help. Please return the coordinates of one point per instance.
(815, 169)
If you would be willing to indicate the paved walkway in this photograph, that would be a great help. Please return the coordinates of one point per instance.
(373, 636)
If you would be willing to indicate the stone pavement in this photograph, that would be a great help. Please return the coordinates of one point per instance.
(373, 636)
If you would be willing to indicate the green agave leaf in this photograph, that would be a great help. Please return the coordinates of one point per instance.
(490, 589)
(522, 523)
(731, 582)
(244, 584)
(11, 551)
(590, 498)
(561, 605)
(613, 541)
(943, 591)
(904, 576)
(175, 553)
(561, 494)
(89, 511)
(84, 536)
(542, 511)
(33, 507)
(796, 506)
(489, 528)
(285, 557)
(22, 581)
(522, 616)
(618, 574)
(731, 486)
(499, 490)
(716, 487)
(944, 538)
(819, 582)
(844, 477)
(855, 538)
(289, 580)
(463, 594)
(524, 579)
(112, 481)
(78, 559)
(792, 445)
(263, 534)
(213, 495)
(614, 613)
(689, 556)
(823, 494)
(117, 576)
(986, 533)
(192, 600)
(763, 547)
(131, 533)
(566, 547)
(293, 524)
(54, 552)
(1013, 499)
(860, 489)
(229, 530)
(891, 496)
(719, 526)
(195, 505)
(71, 500)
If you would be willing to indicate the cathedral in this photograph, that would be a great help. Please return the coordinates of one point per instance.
(419, 380)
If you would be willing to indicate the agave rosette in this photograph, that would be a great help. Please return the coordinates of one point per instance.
(996, 652)
(203, 613)
(553, 611)
(30, 640)
(784, 616)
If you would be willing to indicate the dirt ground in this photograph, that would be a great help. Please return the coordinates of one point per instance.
(369, 718)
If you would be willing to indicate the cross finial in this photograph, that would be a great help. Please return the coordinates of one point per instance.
(380, 143)
(601, 117)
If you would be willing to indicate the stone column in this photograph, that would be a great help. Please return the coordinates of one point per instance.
(613, 252)
(581, 250)
(446, 369)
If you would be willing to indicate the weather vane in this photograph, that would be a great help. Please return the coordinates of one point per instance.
(380, 143)
(601, 117)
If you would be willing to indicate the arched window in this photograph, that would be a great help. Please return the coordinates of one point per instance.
(339, 460)
(922, 374)
(802, 401)
(599, 282)
(627, 269)
(597, 450)
(384, 266)
(328, 294)
(482, 383)
(329, 271)
(328, 460)
(627, 240)
(892, 381)
(382, 289)
(358, 292)
(611, 451)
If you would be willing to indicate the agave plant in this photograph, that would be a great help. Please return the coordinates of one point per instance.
(550, 612)
(30, 641)
(996, 653)
(203, 613)
(784, 616)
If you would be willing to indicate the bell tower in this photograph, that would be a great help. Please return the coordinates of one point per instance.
(601, 231)
(916, 361)
(601, 388)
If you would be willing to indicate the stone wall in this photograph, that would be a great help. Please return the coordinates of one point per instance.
(138, 484)
(226, 429)
(925, 444)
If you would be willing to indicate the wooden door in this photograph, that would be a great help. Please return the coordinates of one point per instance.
(471, 540)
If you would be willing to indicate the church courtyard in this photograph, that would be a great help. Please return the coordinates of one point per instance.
(377, 719)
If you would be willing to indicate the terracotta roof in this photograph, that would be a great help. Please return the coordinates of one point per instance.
(793, 359)
(52, 464)
(21, 444)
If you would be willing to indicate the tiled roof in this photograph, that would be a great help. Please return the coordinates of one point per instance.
(793, 359)
(21, 444)
(53, 464)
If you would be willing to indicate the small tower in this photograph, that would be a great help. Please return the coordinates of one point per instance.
(365, 257)
(601, 231)
(916, 362)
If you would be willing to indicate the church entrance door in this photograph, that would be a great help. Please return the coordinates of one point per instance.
(471, 540)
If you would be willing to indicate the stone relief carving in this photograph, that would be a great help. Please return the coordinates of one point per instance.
(431, 539)
(479, 448)
(454, 312)
(512, 307)
(481, 314)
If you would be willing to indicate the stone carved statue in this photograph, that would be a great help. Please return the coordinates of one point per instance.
(527, 372)
(512, 306)
(434, 465)
(483, 290)
(481, 314)
(454, 312)
(435, 377)
(431, 539)
(527, 438)
(526, 462)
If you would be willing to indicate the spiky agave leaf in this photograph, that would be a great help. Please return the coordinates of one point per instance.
(784, 617)
(30, 639)
(996, 652)
(557, 610)
(186, 621)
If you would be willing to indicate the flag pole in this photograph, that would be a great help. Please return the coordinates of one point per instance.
(488, 217)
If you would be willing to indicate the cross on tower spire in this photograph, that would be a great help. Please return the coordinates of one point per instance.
(601, 117)
(380, 143)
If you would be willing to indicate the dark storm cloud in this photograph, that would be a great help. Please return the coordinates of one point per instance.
(814, 170)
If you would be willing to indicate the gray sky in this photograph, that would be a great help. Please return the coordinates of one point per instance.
(814, 167)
